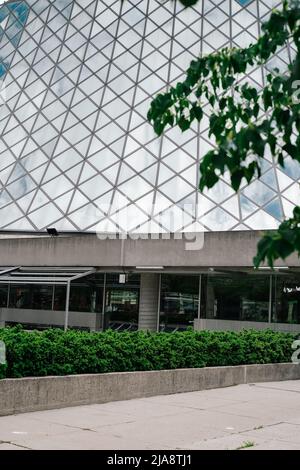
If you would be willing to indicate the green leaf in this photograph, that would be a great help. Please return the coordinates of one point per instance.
(267, 98)
(236, 179)
(291, 150)
(281, 159)
(258, 144)
(184, 123)
(198, 112)
(158, 127)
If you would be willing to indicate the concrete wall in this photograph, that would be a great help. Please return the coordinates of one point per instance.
(219, 249)
(231, 325)
(32, 394)
(47, 317)
(149, 293)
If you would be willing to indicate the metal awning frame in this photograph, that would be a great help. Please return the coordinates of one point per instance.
(42, 276)
(46, 276)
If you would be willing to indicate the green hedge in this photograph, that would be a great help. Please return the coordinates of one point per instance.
(53, 352)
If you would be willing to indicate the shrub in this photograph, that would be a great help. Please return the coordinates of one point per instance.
(3, 368)
(54, 352)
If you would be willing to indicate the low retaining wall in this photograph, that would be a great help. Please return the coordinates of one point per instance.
(233, 325)
(42, 393)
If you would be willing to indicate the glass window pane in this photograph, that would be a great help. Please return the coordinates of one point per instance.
(42, 297)
(236, 297)
(122, 302)
(59, 298)
(122, 309)
(81, 298)
(86, 294)
(35, 297)
(3, 295)
(286, 299)
(179, 301)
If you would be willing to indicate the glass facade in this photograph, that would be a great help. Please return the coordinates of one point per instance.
(59, 298)
(35, 297)
(233, 296)
(122, 302)
(114, 300)
(236, 296)
(112, 297)
(3, 295)
(77, 78)
(286, 299)
(86, 294)
(179, 301)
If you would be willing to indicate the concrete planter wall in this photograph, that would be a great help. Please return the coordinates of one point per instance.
(42, 393)
(232, 325)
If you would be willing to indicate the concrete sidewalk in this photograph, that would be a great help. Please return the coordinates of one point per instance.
(255, 416)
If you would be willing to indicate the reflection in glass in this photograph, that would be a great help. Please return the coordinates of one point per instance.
(86, 294)
(122, 302)
(122, 309)
(59, 298)
(35, 297)
(3, 295)
(179, 301)
(286, 299)
(236, 297)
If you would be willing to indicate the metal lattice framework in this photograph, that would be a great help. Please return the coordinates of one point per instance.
(76, 150)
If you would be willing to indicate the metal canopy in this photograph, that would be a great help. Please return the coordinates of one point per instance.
(49, 276)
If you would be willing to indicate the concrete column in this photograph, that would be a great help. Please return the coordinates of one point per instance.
(2, 319)
(149, 293)
(210, 302)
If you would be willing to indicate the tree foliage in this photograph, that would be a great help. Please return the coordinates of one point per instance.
(245, 122)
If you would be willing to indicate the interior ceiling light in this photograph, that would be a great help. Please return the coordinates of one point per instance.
(149, 267)
(275, 267)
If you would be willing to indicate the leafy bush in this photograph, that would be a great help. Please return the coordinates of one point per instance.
(3, 368)
(54, 352)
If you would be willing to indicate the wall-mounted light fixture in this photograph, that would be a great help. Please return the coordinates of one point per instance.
(52, 232)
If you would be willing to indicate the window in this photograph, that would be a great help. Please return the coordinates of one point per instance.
(86, 294)
(122, 309)
(286, 299)
(3, 295)
(35, 297)
(179, 301)
(122, 302)
(59, 298)
(237, 296)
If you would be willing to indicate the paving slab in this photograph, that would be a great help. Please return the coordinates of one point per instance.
(286, 432)
(8, 446)
(239, 441)
(245, 417)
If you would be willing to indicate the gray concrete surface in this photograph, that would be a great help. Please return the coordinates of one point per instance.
(44, 393)
(47, 317)
(233, 325)
(220, 249)
(248, 416)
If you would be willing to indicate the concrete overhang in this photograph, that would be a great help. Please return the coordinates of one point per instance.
(219, 249)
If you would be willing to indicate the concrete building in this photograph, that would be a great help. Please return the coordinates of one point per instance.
(133, 243)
